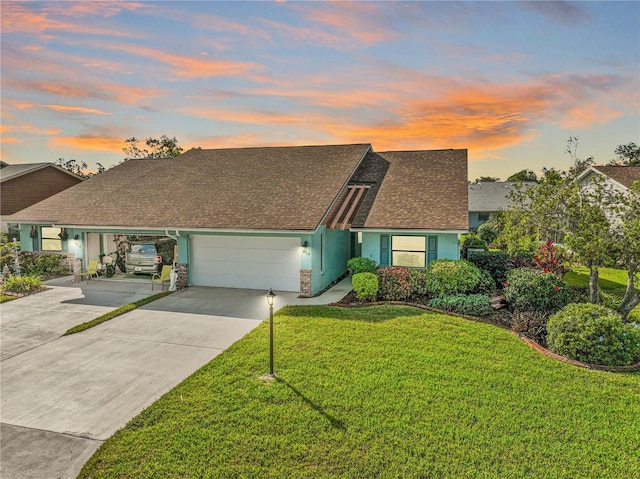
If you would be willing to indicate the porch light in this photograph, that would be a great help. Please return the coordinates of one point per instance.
(76, 240)
(270, 297)
(305, 245)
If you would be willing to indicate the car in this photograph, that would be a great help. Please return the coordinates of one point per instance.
(147, 257)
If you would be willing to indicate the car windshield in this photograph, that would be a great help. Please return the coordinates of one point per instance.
(143, 249)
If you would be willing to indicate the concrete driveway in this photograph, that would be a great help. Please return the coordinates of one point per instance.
(63, 396)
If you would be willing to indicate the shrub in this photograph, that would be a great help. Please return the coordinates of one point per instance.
(496, 263)
(394, 283)
(473, 304)
(488, 232)
(522, 259)
(447, 277)
(609, 300)
(472, 241)
(418, 282)
(361, 264)
(486, 284)
(593, 334)
(578, 294)
(551, 259)
(365, 285)
(22, 284)
(531, 324)
(532, 290)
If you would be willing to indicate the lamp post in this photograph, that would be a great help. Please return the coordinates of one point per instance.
(270, 297)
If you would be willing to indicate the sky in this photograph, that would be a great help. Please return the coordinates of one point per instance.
(509, 81)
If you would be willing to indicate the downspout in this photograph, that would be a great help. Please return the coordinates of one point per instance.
(166, 233)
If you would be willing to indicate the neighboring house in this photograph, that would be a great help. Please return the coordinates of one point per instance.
(489, 197)
(287, 218)
(24, 185)
(620, 177)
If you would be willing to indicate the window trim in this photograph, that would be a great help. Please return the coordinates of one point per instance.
(55, 237)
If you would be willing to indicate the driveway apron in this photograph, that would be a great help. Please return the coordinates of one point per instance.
(63, 396)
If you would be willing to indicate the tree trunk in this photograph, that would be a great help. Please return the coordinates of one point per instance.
(631, 296)
(594, 297)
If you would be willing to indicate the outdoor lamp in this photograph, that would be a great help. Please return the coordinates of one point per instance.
(76, 240)
(270, 296)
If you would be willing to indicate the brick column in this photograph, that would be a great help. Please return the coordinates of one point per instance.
(181, 269)
(77, 269)
(305, 283)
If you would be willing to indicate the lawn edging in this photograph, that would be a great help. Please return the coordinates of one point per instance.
(116, 312)
(533, 344)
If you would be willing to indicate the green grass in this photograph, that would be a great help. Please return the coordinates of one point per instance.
(4, 298)
(611, 280)
(383, 392)
(116, 312)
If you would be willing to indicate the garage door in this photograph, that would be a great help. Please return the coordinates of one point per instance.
(246, 262)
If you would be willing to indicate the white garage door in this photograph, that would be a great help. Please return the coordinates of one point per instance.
(246, 262)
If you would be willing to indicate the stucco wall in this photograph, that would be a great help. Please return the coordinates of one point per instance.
(448, 246)
(337, 250)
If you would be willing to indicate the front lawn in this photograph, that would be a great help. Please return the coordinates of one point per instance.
(378, 393)
(611, 280)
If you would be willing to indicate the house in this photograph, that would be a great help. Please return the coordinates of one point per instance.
(287, 218)
(619, 177)
(27, 184)
(489, 197)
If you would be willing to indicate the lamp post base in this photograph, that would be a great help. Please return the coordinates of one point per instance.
(267, 377)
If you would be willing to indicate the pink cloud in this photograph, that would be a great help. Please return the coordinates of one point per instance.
(75, 109)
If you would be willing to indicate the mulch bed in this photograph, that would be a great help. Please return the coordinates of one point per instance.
(26, 293)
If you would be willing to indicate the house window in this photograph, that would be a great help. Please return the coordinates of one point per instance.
(483, 216)
(51, 240)
(408, 251)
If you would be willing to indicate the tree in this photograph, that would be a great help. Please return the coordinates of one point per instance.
(627, 155)
(524, 175)
(485, 179)
(164, 147)
(78, 168)
(579, 164)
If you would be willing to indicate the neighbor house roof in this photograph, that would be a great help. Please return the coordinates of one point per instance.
(493, 196)
(275, 188)
(422, 190)
(9, 172)
(625, 175)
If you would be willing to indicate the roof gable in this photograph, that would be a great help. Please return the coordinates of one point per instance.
(10, 172)
(423, 190)
(623, 175)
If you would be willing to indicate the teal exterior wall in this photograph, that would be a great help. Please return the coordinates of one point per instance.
(336, 251)
(474, 218)
(448, 244)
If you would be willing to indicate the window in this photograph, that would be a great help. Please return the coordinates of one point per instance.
(51, 240)
(408, 251)
(483, 216)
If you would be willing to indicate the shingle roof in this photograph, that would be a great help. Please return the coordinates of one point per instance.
(422, 190)
(625, 175)
(9, 172)
(276, 188)
(493, 195)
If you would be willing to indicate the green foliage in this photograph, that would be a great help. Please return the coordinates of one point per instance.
(488, 231)
(531, 324)
(497, 263)
(361, 264)
(22, 284)
(627, 155)
(78, 168)
(419, 283)
(524, 175)
(40, 264)
(447, 277)
(472, 304)
(532, 290)
(486, 284)
(593, 334)
(486, 179)
(164, 147)
(394, 283)
(365, 286)
(472, 241)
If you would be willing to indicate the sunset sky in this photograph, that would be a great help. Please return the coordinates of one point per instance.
(509, 81)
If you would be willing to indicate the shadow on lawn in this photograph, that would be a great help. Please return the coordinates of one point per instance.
(336, 423)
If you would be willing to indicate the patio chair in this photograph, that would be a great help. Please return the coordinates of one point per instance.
(92, 271)
(162, 277)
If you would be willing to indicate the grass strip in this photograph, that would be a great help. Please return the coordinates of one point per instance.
(4, 298)
(116, 312)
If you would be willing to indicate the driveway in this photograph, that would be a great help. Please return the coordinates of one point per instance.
(63, 396)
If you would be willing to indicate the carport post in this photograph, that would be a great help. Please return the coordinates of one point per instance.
(270, 297)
